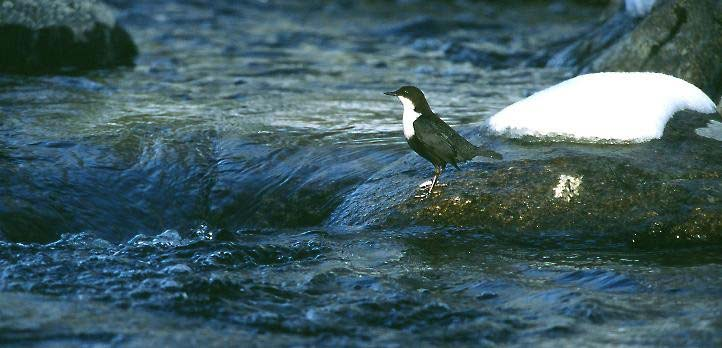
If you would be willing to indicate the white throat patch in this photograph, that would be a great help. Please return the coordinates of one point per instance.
(410, 115)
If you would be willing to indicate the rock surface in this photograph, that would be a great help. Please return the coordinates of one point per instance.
(643, 193)
(56, 35)
(682, 38)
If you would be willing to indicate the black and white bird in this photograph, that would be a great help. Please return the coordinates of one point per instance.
(431, 137)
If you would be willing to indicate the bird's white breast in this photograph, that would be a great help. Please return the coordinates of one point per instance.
(410, 115)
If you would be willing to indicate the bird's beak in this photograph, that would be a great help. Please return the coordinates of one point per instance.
(391, 93)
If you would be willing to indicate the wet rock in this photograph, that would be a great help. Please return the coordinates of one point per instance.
(681, 38)
(648, 193)
(56, 35)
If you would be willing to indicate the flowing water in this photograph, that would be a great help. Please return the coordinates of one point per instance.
(189, 199)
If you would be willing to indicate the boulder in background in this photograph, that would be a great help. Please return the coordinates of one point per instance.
(46, 36)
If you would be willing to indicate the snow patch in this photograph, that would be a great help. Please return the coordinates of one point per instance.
(638, 8)
(610, 106)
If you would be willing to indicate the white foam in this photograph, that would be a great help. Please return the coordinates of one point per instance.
(611, 106)
(713, 130)
(638, 8)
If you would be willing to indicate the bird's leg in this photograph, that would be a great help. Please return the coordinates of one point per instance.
(437, 172)
(434, 182)
(441, 171)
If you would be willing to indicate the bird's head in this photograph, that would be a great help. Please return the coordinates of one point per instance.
(412, 97)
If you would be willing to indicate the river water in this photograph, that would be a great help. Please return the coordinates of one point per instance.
(188, 200)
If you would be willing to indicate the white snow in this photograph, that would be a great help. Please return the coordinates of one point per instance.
(610, 106)
(638, 8)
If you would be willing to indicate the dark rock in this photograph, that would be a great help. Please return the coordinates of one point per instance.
(57, 35)
(650, 193)
(681, 38)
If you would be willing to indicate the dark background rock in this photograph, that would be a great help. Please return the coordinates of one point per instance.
(682, 38)
(59, 35)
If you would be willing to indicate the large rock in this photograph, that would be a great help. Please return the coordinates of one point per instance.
(41, 36)
(682, 38)
(663, 191)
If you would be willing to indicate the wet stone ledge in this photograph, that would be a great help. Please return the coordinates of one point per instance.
(47, 36)
(664, 192)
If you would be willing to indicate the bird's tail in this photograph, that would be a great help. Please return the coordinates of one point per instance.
(488, 153)
(467, 151)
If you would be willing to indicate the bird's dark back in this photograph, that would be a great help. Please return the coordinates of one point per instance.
(464, 149)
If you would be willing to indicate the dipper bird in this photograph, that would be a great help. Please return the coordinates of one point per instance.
(431, 137)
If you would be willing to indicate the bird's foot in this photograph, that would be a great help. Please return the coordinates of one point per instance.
(427, 183)
(426, 193)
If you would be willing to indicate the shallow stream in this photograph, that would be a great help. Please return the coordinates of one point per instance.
(190, 199)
